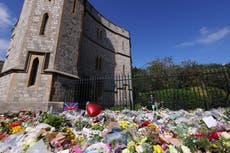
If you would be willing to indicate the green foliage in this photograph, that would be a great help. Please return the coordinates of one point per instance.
(4, 128)
(189, 85)
(53, 120)
(97, 127)
(81, 124)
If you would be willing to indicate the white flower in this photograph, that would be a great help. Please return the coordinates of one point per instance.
(225, 135)
(139, 149)
(185, 149)
(172, 149)
(29, 143)
(101, 147)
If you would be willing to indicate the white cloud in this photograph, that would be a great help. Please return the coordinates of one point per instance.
(6, 19)
(215, 36)
(207, 37)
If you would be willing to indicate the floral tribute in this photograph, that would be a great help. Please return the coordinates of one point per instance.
(126, 131)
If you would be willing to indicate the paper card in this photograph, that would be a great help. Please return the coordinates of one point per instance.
(150, 116)
(210, 121)
(64, 151)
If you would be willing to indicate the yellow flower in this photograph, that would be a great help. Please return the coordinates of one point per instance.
(79, 139)
(70, 133)
(135, 138)
(131, 146)
(157, 149)
(143, 140)
(151, 125)
(134, 124)
(123, 124)
(95, 124)
(17, 129)
(213, 145)
(125, 151)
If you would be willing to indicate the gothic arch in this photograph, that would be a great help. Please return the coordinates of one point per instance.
(33, 72)
(45, 19)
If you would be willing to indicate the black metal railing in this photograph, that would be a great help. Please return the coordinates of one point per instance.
(179, 90)
(112, 92)
(206, 89)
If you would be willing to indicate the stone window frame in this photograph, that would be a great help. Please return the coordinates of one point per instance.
(44, 24)
(99, 33)
(123, 45)
(74, 8)
(43, 64)
(123, 69)
(33, 72)
(98, 65)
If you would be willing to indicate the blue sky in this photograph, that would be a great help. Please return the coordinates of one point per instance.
(184, 29)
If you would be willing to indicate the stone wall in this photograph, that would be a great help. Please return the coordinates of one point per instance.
(61, 88)
(27, 44)
(87, 60)
(103, 38)
(16, 46)
(69, 47)
(69, 38)
(4, 87)
(55, 107)
(105, 22)
(20, 91)
(26, 37)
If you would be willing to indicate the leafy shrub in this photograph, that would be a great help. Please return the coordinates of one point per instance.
(53, 120)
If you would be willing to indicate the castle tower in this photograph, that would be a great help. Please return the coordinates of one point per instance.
(55, 43)
(43, 50)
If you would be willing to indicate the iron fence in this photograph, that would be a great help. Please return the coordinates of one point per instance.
(112, 92)
(207, 88)
(179, 90)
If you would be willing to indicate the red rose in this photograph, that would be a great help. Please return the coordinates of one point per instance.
(17, 123)
(215, 135)
(146, 123)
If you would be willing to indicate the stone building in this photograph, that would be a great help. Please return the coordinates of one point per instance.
(53, 44)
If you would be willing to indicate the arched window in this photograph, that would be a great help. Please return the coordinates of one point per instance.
(33, 72)
(44, 23)
(123, 71)
(123, 45)
(98, 63)
(74, 6)
(99, 34)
